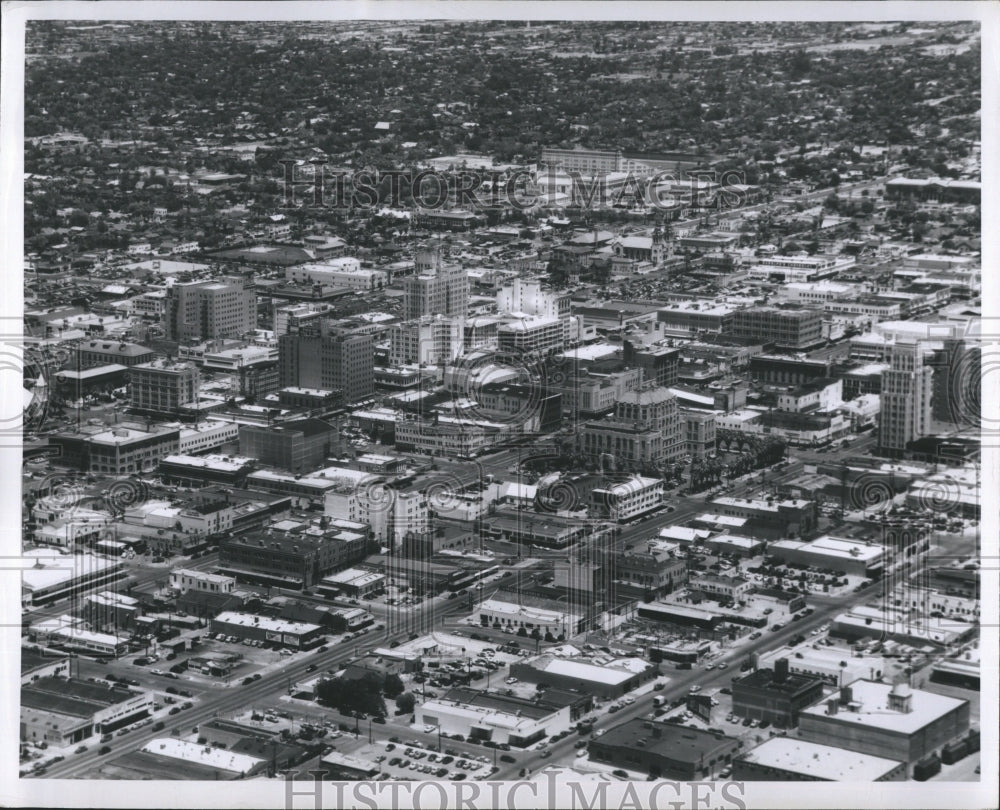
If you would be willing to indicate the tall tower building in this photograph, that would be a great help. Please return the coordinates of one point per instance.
(329, 357)
(436, 289)
(907, 391)
(203, 310)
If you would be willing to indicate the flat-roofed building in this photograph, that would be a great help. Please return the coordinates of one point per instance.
(855, 557)
(770, 517)
(353, 582)
(794, 329)
(786, 759)
(199, 310)
(38, 663)
(656, 570)
(481, 716)
(628, 499)
(775, 695)
(206, 759)
(828, 664)
(721, 587)
(54, 576)
(295, 635)
(508, 614)
(664, 750)
(163, 386)
(338, 766)
(189, 579)
(293, 446)
(197, 471)
(294, 554)
(889, 720)
(63, 711)
(607, 677)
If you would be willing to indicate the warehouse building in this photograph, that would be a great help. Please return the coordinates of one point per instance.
(840, 554)
(664, 750)
(894, 721)
(608, 677)
(775, 695)
(786, 759)
(488, 716)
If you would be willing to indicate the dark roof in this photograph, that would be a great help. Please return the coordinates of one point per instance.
(308, 427)
(676, 742)
(32, 659)
(535, 709)
(764, 679)
(59, 704)
(99, 693)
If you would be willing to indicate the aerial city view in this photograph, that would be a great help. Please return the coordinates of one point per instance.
(465, 401)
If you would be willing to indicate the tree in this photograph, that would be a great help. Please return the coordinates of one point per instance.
(393, 686)
(405, 703)
(350, 695)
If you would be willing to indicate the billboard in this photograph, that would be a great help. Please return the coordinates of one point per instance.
(700, 706)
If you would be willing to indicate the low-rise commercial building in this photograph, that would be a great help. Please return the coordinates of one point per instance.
(607, 677)
(354, 583)
(894, 721)
(855, 557)
(786, 759)
(62, 711)
(628, 499)
(55, 576)
(189, 579)
(197, 471)
(664, 750)
(516, 616)
(295, 635)
(775, 695)
(484, 716)
(294, 554)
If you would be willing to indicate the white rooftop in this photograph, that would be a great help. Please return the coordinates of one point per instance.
(585, 671)
(835, 547)
(202, 755)
(265, 622)
(870, 708)
(822, 762)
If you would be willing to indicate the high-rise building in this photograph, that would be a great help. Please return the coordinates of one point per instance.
(785, 328)
(645, 431)
(907, 389)
(957, 379)
(330, 357)
(436, 289)
(201, 310)
(433, 341)
(162, 386)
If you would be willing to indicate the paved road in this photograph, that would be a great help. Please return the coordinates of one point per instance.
(223, 701)
(680, 681)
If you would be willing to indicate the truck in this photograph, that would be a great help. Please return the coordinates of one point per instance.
(658, 701)
(954, 751)
(927, 767)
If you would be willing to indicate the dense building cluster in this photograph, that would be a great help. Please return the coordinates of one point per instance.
(709, 399)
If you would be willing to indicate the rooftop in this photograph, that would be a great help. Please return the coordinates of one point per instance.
(765, 679)
(821, 762)
(678, 743)
(869, 707)
(265, 622)
(584, 670)
(202, 755)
